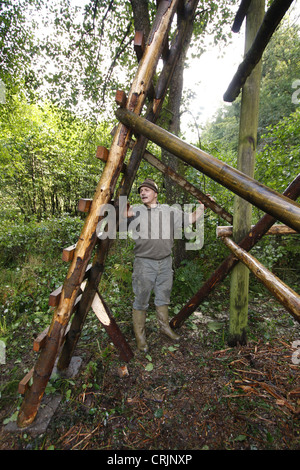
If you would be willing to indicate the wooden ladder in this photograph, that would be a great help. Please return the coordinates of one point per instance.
(80, 289)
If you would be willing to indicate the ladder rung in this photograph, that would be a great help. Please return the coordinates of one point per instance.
(121, 98)
(40, 340)
(54, 297)
(68, 253)
(24, 384)
(84, 205)
(102, 153)
(139, 44)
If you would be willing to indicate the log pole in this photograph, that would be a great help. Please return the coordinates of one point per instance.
(226, 230)
(270, 201)
(283, 293)
(242, 212)
(270, 22)
(183, 183)
(253, 237)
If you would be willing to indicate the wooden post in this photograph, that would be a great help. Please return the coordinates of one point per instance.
(258, 194)
(269, 24)
(104, 191)
(104, 314)
(253, 237)
(239, 282)
(240, 15)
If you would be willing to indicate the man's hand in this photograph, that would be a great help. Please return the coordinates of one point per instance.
(129, 212)
(197, 213)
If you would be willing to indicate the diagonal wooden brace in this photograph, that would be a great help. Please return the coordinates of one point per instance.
(107, 320)
(256, 233)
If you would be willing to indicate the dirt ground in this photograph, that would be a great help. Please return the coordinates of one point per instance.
(197, 394)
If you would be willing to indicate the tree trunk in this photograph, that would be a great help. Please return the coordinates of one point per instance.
(174, 194)
(141, 16)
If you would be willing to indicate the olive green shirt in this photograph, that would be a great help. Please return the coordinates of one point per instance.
(154, 229)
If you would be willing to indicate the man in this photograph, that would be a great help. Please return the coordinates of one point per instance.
(154, 226)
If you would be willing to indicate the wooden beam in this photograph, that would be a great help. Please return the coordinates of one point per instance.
(205, 199)
(102, 153)
(242, 209)
(84, 205)
(24, 383)
(107, 320)
(271, 20)
(40, 340)
(258, 194)
(256, 234)
(68, 253)
(283, 293)
(226, 230)
(139, 47)
(139, 44)
(121, 98)
(38, 344)
(54, 297)
(240, 16)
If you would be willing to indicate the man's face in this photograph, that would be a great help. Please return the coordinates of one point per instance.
(148, 196)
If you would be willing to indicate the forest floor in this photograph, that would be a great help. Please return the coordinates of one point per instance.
(196, 394)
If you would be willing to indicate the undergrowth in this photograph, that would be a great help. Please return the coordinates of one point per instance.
(31, 268)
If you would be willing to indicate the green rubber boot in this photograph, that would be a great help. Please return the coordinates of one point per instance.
(139, 320)
(163, 321)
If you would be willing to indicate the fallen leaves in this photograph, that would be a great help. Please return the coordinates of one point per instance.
(265, 378)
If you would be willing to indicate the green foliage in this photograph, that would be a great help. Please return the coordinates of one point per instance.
(187, 279)
(47, 158)
(281, 66)
(18, 240)
(31, 268)
(18, 43)
(278, 163)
